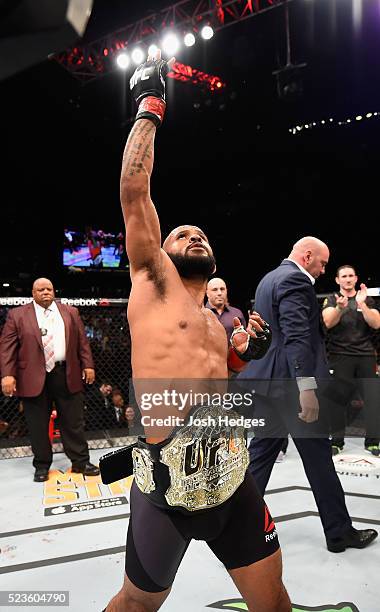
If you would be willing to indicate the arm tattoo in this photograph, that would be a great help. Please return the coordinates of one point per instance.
(139, 150)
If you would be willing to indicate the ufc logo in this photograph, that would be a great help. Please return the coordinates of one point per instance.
(201, 454)
(142, 74)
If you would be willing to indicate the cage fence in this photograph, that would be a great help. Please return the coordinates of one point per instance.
(108, 423)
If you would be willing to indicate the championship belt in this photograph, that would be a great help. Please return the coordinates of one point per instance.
(143, 468)
(206, 462)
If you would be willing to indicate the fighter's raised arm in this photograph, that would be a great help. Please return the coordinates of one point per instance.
(143, 237)
(190, 460)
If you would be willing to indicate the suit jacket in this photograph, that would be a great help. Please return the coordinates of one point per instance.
(22, 353)
(286, 299)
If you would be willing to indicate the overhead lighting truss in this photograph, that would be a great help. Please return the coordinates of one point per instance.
(96, 59)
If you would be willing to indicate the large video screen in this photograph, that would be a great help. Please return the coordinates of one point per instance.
(94, 248)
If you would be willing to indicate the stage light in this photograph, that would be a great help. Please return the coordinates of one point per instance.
(152, 50)
(138, 55)
(349, 120)
(122, 61)
(5, 284)
(189, 39)
(170, 43)
(207, 32)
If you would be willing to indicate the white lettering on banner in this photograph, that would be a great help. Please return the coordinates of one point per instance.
(79, 301)
(10, 301)
(21, 301)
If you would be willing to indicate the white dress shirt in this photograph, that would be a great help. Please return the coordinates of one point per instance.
(302, 269)
(53, 324)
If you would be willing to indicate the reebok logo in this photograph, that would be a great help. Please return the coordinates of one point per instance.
(80, 301)
(269, 523)
(269, 526)
(271, 536)
(15, 301)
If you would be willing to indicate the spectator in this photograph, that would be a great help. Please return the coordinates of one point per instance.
(99, 413)
(286, 299)
(118, 409)
(45, 356)
(132, 417)
(351, 317)
(105, 390)
(218, 303)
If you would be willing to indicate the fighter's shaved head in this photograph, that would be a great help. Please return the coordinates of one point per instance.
(177, 230)
(189, 249)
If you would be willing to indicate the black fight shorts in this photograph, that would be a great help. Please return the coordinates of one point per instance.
(239, 532)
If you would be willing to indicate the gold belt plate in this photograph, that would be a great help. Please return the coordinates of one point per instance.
(143, 470)
(207, 462)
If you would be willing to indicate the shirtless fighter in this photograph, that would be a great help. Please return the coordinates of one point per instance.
(175, 336)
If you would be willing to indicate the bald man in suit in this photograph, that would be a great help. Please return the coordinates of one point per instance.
(45, 357)
(290, 382)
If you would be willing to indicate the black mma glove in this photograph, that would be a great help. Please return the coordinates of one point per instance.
(256, 347)
(147, 85)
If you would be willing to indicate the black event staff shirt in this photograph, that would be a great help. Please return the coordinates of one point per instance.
(352, 335)
(227, 317)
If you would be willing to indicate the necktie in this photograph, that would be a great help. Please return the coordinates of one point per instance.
(48, 344)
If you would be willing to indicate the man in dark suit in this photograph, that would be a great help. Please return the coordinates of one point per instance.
(288, 390)
(99, 413)
(45, 356)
